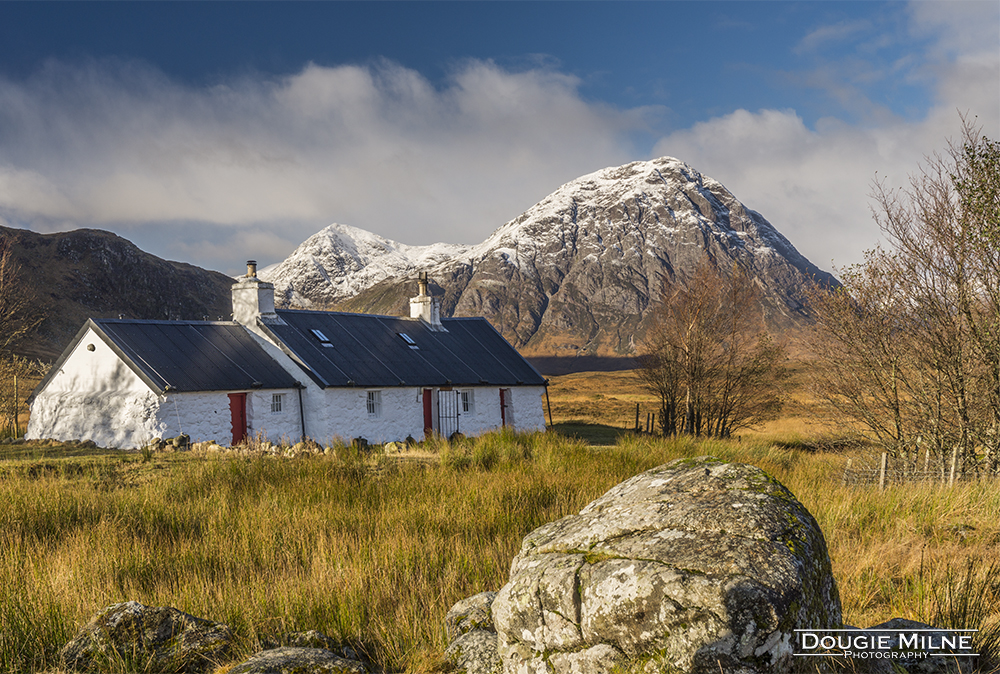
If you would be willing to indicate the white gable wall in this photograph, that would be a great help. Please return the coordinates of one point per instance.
(95, 396)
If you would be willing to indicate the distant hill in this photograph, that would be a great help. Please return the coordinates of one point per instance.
(91, 273)
(574, 276)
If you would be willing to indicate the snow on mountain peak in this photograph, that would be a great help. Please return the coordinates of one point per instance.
(340, 261)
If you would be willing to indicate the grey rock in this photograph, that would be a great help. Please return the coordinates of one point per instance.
(475, 652)
(147, 639)
(314, 639)
(473, 613)
(292, 660)
(933, 664)
(693, 566)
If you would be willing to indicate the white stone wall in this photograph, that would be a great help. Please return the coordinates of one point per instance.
(95, 396)
(283, 426)
(528, 403)
(402, 414)
(206, 416)
(124, 421)
(485, 413)
(346, 415)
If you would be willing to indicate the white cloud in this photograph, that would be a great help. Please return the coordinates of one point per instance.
(813, 183)
(832, 33)
(378, 147)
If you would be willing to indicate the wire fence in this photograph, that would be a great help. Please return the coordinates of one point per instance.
(18, 377)
(884, 470)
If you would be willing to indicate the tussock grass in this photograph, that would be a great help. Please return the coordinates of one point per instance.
(373, 551)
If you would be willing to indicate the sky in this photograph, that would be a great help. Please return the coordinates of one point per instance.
(216, 132)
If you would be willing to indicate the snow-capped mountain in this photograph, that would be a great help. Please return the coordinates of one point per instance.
(339, 262)
(576, 272)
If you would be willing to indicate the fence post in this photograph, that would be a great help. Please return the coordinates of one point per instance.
(954, 464)
(637, 417)
(881, 473)
(927, 460)
(847, 471)
(17, 408)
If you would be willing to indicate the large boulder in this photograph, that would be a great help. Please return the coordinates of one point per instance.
(140, 638)
(697, 566)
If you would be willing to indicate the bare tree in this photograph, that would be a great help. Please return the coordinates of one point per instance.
(911, 342)
(19, 310)
(707, 358)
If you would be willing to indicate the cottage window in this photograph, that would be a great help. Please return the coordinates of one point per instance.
(409, 340)
(374, 404)
(275, 403)
(323, 339)
(467, 401)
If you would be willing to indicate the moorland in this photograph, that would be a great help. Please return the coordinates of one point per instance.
(372, 548)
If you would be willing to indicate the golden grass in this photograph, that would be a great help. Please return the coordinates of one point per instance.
(374, 553)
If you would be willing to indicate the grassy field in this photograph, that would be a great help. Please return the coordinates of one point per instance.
(374, 550)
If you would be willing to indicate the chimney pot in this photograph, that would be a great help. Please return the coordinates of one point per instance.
(251, 268)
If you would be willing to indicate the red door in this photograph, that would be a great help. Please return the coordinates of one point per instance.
(428, 414)
(238, 411)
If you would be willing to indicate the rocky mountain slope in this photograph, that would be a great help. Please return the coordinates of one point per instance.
(91, 273)
(575, 274)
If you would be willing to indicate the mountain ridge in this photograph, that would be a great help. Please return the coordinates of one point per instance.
(576, 273)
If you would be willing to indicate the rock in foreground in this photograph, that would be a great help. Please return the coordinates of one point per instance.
(291, 660)
(697, 566)
(147, 639)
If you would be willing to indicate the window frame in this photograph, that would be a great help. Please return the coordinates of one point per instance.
(373, 404)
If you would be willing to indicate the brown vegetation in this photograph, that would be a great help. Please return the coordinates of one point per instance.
(707, 358)
(910, 344)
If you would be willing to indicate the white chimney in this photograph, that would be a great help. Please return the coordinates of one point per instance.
(425, 307)
(252, 297)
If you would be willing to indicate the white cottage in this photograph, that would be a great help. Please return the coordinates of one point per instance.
(286, 374)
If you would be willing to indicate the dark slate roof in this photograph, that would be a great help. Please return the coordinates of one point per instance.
(367, 350)
(188, 355)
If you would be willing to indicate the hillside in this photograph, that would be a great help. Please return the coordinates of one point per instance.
(91, 273)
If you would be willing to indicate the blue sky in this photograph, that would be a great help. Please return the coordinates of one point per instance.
(220, 131)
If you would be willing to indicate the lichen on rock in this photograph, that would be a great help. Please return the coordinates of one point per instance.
(693, 566)
(135, 637)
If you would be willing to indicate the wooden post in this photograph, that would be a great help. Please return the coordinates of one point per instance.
(954, 465)
(927, 462)
(17, 408)
(881, 473)
(637, 417)
(847, 471)
(547, 403)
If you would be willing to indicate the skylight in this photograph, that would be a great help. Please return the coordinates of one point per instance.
(318, 334)
(409, 340)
